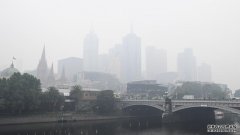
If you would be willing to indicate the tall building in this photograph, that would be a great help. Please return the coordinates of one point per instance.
(156, 62)
(187, 69)
(71, 66)
(90, 52)
(42, 69)
(131, 57)
(204, 73)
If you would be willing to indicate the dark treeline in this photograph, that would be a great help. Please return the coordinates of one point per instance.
(21, 93)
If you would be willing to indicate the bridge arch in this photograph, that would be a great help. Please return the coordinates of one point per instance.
(147, 105)
(233, 110)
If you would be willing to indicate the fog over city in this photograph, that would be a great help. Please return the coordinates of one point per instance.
(210, 27)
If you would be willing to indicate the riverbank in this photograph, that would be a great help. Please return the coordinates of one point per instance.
(54, 118)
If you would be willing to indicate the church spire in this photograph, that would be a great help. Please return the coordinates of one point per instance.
(51, 78)
(42, 68)
(43, 53)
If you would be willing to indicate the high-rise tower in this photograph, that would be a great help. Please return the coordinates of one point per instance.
(90, 52)
(131, 57)
(187, 69)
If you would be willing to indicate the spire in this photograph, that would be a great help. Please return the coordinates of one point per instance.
(42, 68)
(51, 78)
(43, 53)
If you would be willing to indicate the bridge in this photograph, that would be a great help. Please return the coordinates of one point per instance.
(178, 105)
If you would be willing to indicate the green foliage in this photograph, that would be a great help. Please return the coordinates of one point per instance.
(52, 100)
(105, 102)
(200, 91)
(20, 93)
(76, 95)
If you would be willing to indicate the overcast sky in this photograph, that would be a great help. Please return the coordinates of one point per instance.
(210, 27)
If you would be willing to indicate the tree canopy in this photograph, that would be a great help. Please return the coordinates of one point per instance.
(105, 102)
(20, 93)
(200, 91)
(52, 100)
(76, 95)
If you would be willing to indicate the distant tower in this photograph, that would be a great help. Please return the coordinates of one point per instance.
(42, 69)
(51, 78)
(187, 69)
(90, 52)
(131, 57)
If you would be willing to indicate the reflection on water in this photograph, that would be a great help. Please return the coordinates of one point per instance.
(140, 126)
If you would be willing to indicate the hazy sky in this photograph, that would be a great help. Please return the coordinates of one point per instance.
(210, 27)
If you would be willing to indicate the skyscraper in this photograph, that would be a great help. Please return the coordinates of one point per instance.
(187, 65)
(204, 73)
(131, 57)
(156, 62)
(90, 52)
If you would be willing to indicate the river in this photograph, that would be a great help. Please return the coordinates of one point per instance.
(136, 126)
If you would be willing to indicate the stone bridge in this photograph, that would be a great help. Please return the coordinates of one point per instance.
(177, 105)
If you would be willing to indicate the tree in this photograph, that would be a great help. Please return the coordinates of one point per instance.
(52, 100)
(213, 91)
(201, 91)
(3, 89)
(105, 102)
(21, 93)
(32, 92)
(76, 95)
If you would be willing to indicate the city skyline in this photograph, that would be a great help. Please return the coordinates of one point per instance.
(211, 28)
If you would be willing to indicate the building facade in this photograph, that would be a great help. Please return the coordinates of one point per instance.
(186, 65)
(90, 52)
(131, 57)
(70, 66)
